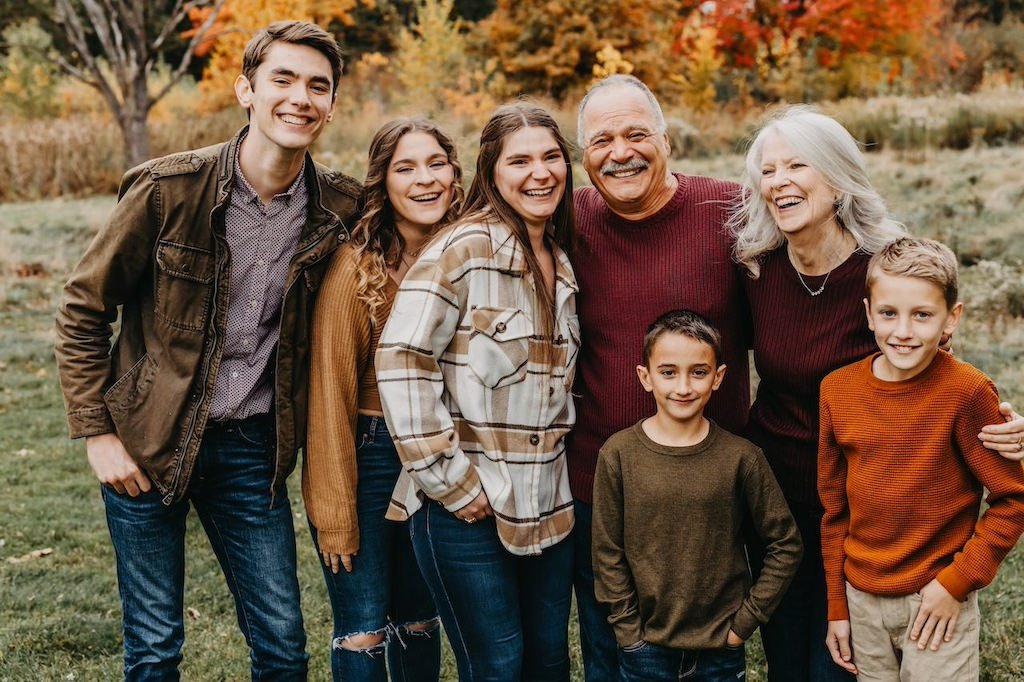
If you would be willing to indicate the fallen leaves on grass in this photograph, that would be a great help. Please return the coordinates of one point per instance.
(192, 612)
(24, 452)
(34, 554)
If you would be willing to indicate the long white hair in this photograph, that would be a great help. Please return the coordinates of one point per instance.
(824, 144)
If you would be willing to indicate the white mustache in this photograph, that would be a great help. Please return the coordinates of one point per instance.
(631, 165)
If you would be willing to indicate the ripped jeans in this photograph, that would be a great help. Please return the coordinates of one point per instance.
(384, 593)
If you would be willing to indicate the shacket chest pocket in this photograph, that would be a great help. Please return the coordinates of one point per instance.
(499, 345)
(184, 277)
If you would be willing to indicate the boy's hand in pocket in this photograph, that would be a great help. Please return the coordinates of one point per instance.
(936, 620)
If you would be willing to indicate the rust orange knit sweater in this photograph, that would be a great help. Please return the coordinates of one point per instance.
(900, 474)
(342, 382)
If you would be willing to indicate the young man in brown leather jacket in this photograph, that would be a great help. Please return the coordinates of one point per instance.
(214, 258)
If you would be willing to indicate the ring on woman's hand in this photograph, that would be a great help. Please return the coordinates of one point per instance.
(470, 519)
(1020, 442)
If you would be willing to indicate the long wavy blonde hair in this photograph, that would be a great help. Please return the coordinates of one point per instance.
(378, 241)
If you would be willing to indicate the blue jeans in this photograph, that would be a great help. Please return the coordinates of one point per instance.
(646, 662)
(597, 639)
(794, 638)
(253, 539)
(506, 616)
(385, 592)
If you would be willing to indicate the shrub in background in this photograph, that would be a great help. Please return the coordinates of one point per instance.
(28, 73)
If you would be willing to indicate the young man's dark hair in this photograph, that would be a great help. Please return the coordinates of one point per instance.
(296, 33)
(214, 259)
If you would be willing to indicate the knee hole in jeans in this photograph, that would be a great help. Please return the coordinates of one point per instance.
(423, 628)
(364, 642)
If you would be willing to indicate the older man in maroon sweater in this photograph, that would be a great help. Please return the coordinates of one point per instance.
(650, 241)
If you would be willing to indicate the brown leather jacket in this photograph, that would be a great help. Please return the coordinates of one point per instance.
(163, 259)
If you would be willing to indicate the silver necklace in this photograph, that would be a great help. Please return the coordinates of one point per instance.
(814, 292)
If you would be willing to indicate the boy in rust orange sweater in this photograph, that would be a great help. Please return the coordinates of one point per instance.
(900, 475)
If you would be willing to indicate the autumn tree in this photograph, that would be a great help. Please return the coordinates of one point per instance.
(826, 35)
(115, 46)
(431, 64)
(551, 46)
(241, 20)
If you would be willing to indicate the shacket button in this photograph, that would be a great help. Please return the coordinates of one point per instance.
(500, 327)
(534, 439)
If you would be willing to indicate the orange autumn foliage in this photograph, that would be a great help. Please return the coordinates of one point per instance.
(240, 20)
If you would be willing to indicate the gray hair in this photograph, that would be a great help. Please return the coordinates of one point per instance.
(824, 144)
(619, 79)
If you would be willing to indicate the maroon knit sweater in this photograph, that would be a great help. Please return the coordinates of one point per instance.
(798, 339)
(629, 273)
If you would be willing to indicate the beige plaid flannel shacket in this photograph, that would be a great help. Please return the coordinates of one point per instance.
(469, 396)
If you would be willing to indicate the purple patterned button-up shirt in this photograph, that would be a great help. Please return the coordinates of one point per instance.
(262, 240)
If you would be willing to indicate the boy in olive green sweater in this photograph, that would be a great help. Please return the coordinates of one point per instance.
(670, 497)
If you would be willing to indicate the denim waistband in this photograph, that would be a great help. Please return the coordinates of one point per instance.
(373, 424)
(262, 419)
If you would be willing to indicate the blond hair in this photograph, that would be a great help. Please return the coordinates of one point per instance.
(920, 258)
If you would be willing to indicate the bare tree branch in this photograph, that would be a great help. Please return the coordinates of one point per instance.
(177, 15)
(76, 72)
(75, 34)
(197, 38)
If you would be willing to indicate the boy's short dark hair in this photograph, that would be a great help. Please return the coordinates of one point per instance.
(296, 33)
(687, 323)
(921, 258)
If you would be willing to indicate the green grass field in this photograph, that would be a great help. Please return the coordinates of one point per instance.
(59, 611)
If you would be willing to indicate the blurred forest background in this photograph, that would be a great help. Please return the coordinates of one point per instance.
(90, 87)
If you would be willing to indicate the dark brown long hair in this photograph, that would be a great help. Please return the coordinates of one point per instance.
(485, 203)
(378, 240)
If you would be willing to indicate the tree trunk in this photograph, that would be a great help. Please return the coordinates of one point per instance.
(133, 126)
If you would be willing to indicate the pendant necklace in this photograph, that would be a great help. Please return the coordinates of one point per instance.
(814, 292)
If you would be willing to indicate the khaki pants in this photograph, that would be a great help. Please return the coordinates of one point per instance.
(882, 648)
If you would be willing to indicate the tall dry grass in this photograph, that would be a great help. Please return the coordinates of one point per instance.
(81, 154)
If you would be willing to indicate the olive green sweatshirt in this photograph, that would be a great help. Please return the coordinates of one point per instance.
(668, 549)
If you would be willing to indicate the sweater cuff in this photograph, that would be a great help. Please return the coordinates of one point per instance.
(838, 609)
(338, 541)
(744, 623)
(462, 492)
(954, 582)
(91, 421)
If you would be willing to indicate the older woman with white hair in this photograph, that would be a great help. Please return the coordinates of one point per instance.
(807, 225)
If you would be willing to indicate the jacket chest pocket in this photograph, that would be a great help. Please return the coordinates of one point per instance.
(499, 345)
(184, 280)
